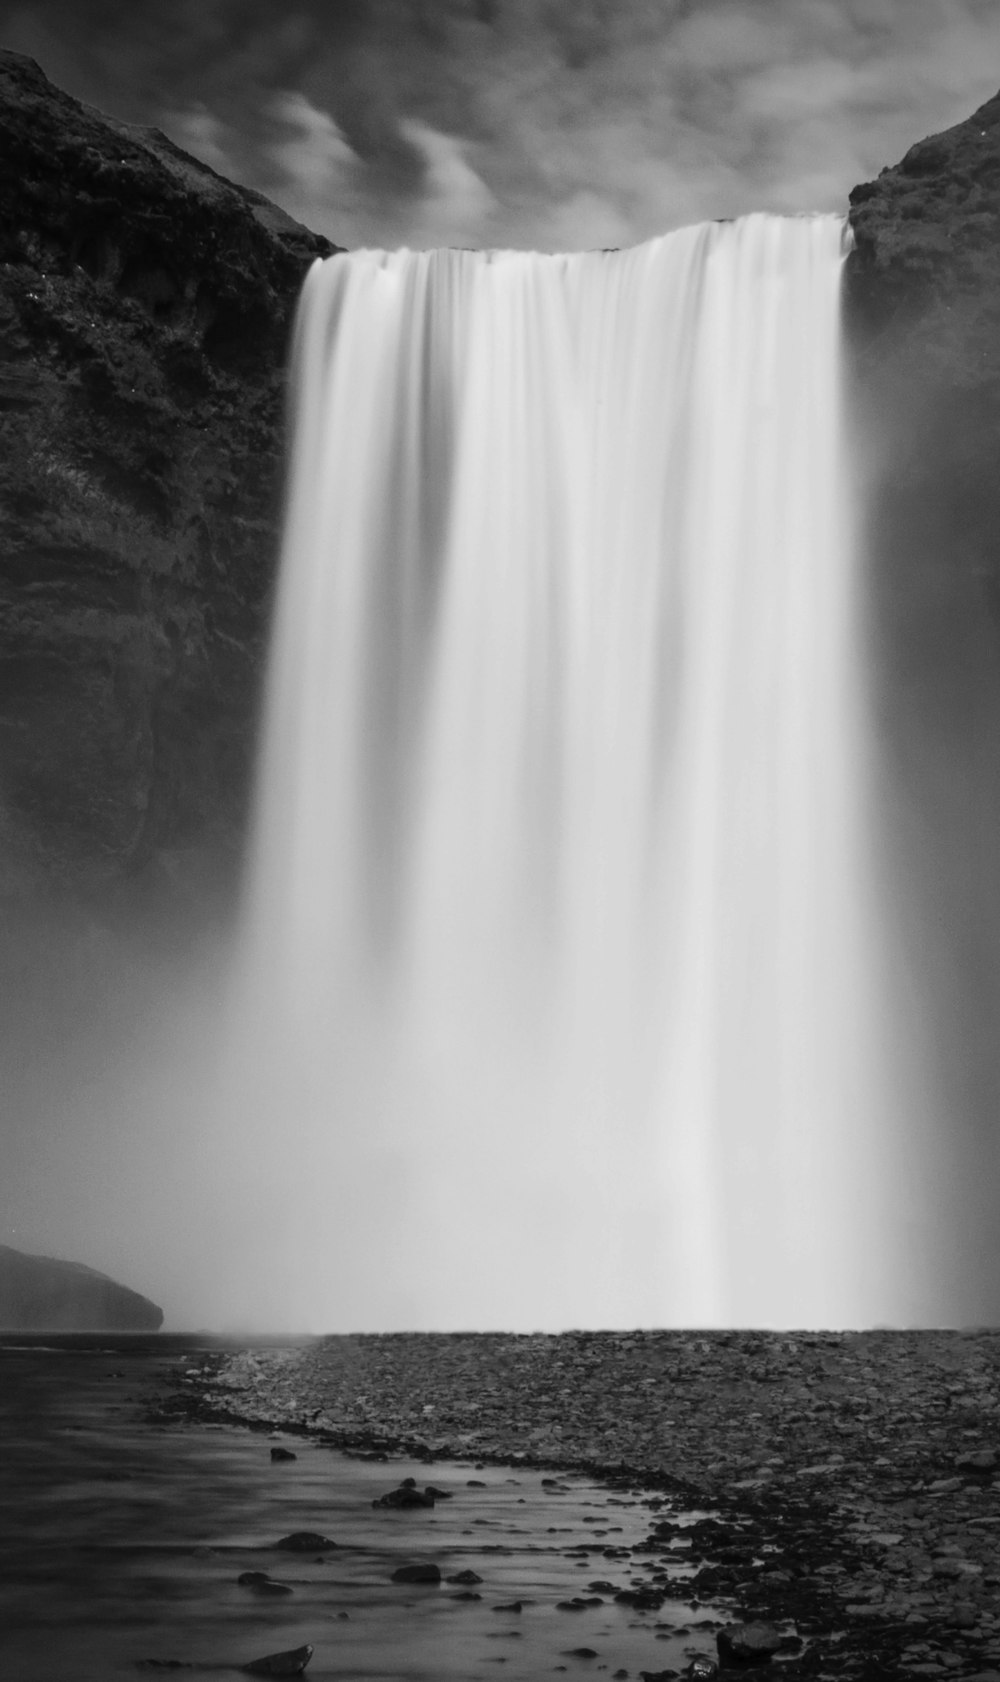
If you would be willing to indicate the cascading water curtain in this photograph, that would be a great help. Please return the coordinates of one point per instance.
(561, 994)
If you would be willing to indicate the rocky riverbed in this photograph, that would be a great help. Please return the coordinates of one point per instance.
(852, 1477)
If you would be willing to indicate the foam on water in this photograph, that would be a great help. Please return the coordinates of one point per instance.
(561, 979)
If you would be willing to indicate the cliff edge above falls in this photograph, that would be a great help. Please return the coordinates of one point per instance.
(145, 306)
(40, 1294)
(927, 237)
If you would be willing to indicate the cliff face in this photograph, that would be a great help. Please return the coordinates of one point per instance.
(923, 314)
(923, 310)
(145, 305)
(40, 1294)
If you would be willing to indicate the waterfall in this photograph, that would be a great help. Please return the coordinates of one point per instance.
(561, 985)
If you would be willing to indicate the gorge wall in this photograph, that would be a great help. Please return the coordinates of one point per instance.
(922, 298)
(145, 305)
(923, 312)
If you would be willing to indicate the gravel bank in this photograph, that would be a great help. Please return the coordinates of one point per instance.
(852, 1477)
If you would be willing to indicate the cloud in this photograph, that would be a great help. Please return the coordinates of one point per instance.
(455, 205)
(315, 151)
(204, 136)
(315, 165)
(528, 122)
(587, 221)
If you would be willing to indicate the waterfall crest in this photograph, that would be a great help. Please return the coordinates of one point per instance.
(561, 965)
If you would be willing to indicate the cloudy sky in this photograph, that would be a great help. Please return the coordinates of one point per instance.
(553, 123)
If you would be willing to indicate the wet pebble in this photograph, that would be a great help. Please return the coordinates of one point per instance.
(261, 1583)
(749, 1643)
(405, 1496)
(290, 1663)
(417, 1574)
(305, 1542)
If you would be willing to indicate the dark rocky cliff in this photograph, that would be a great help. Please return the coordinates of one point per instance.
(145, 305)
(922, 297)
(923, 310)
(38, 1293)
(923, 313)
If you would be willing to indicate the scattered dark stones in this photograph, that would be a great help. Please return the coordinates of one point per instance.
(643, 1599)
(283, 1454)
(417, 1574)
(582, 1653)
(464, 1577)
(305, 1542)
(508, 1606)
(822, 1470)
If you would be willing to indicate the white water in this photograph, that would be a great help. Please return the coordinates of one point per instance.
(561, 974)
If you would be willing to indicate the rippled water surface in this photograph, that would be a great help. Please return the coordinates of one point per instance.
(121, 1542)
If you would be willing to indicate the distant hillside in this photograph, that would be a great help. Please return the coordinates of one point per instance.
(40, 1294)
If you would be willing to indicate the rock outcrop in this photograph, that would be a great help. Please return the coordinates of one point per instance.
(38, 1294)
(145, 306)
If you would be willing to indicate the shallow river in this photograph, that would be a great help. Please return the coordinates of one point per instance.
(121, 1543)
